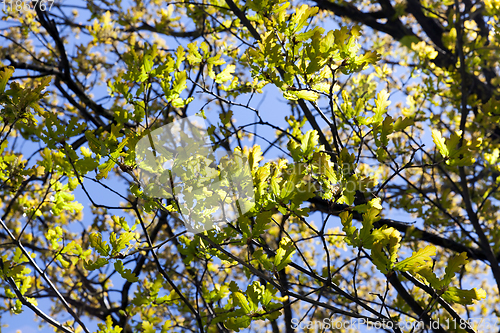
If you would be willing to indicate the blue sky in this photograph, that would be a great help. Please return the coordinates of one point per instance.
(273, 108)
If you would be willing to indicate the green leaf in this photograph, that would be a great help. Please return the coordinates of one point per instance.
(108, 326)
(418, 260)
(95, 144)
(381, 102)
(239, 298)
(464, 297)
(122, 242)
(193, 56)
(254, 155)
(93, 265)
(268, 295)
(180, 55)
(180, 82)
(105, 168)
(365, 234)
(261, 223)
(309, 142)
(300, 17)
(237, 322)
(350, 231)
(326, 167)
(148, 62)
(431, 277)
(226, 74)
(262, 259)
(275, 187)
(453, 266)
(407, 40)
(98, 244)
(369, 58)
(147, 327)
(400, 123)
(385, 130)
(440, 143)
(452, 143)
(288, 190)
(120, 220)
(125, 272)
(254, 293)
(5, 75)
(379, 258)
(284, 253)
(307, 95)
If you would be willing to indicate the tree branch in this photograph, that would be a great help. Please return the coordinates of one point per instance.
(45, 277)
(473, 253)
(34, 308)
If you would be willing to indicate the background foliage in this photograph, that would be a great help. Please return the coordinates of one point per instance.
(377, 198)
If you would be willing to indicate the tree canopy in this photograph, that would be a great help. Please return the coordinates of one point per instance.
(362, 141)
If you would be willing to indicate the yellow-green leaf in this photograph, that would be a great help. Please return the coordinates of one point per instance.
(440, 143)
(418, 260)
(455, 295)
(226, 74)
(305, 94)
